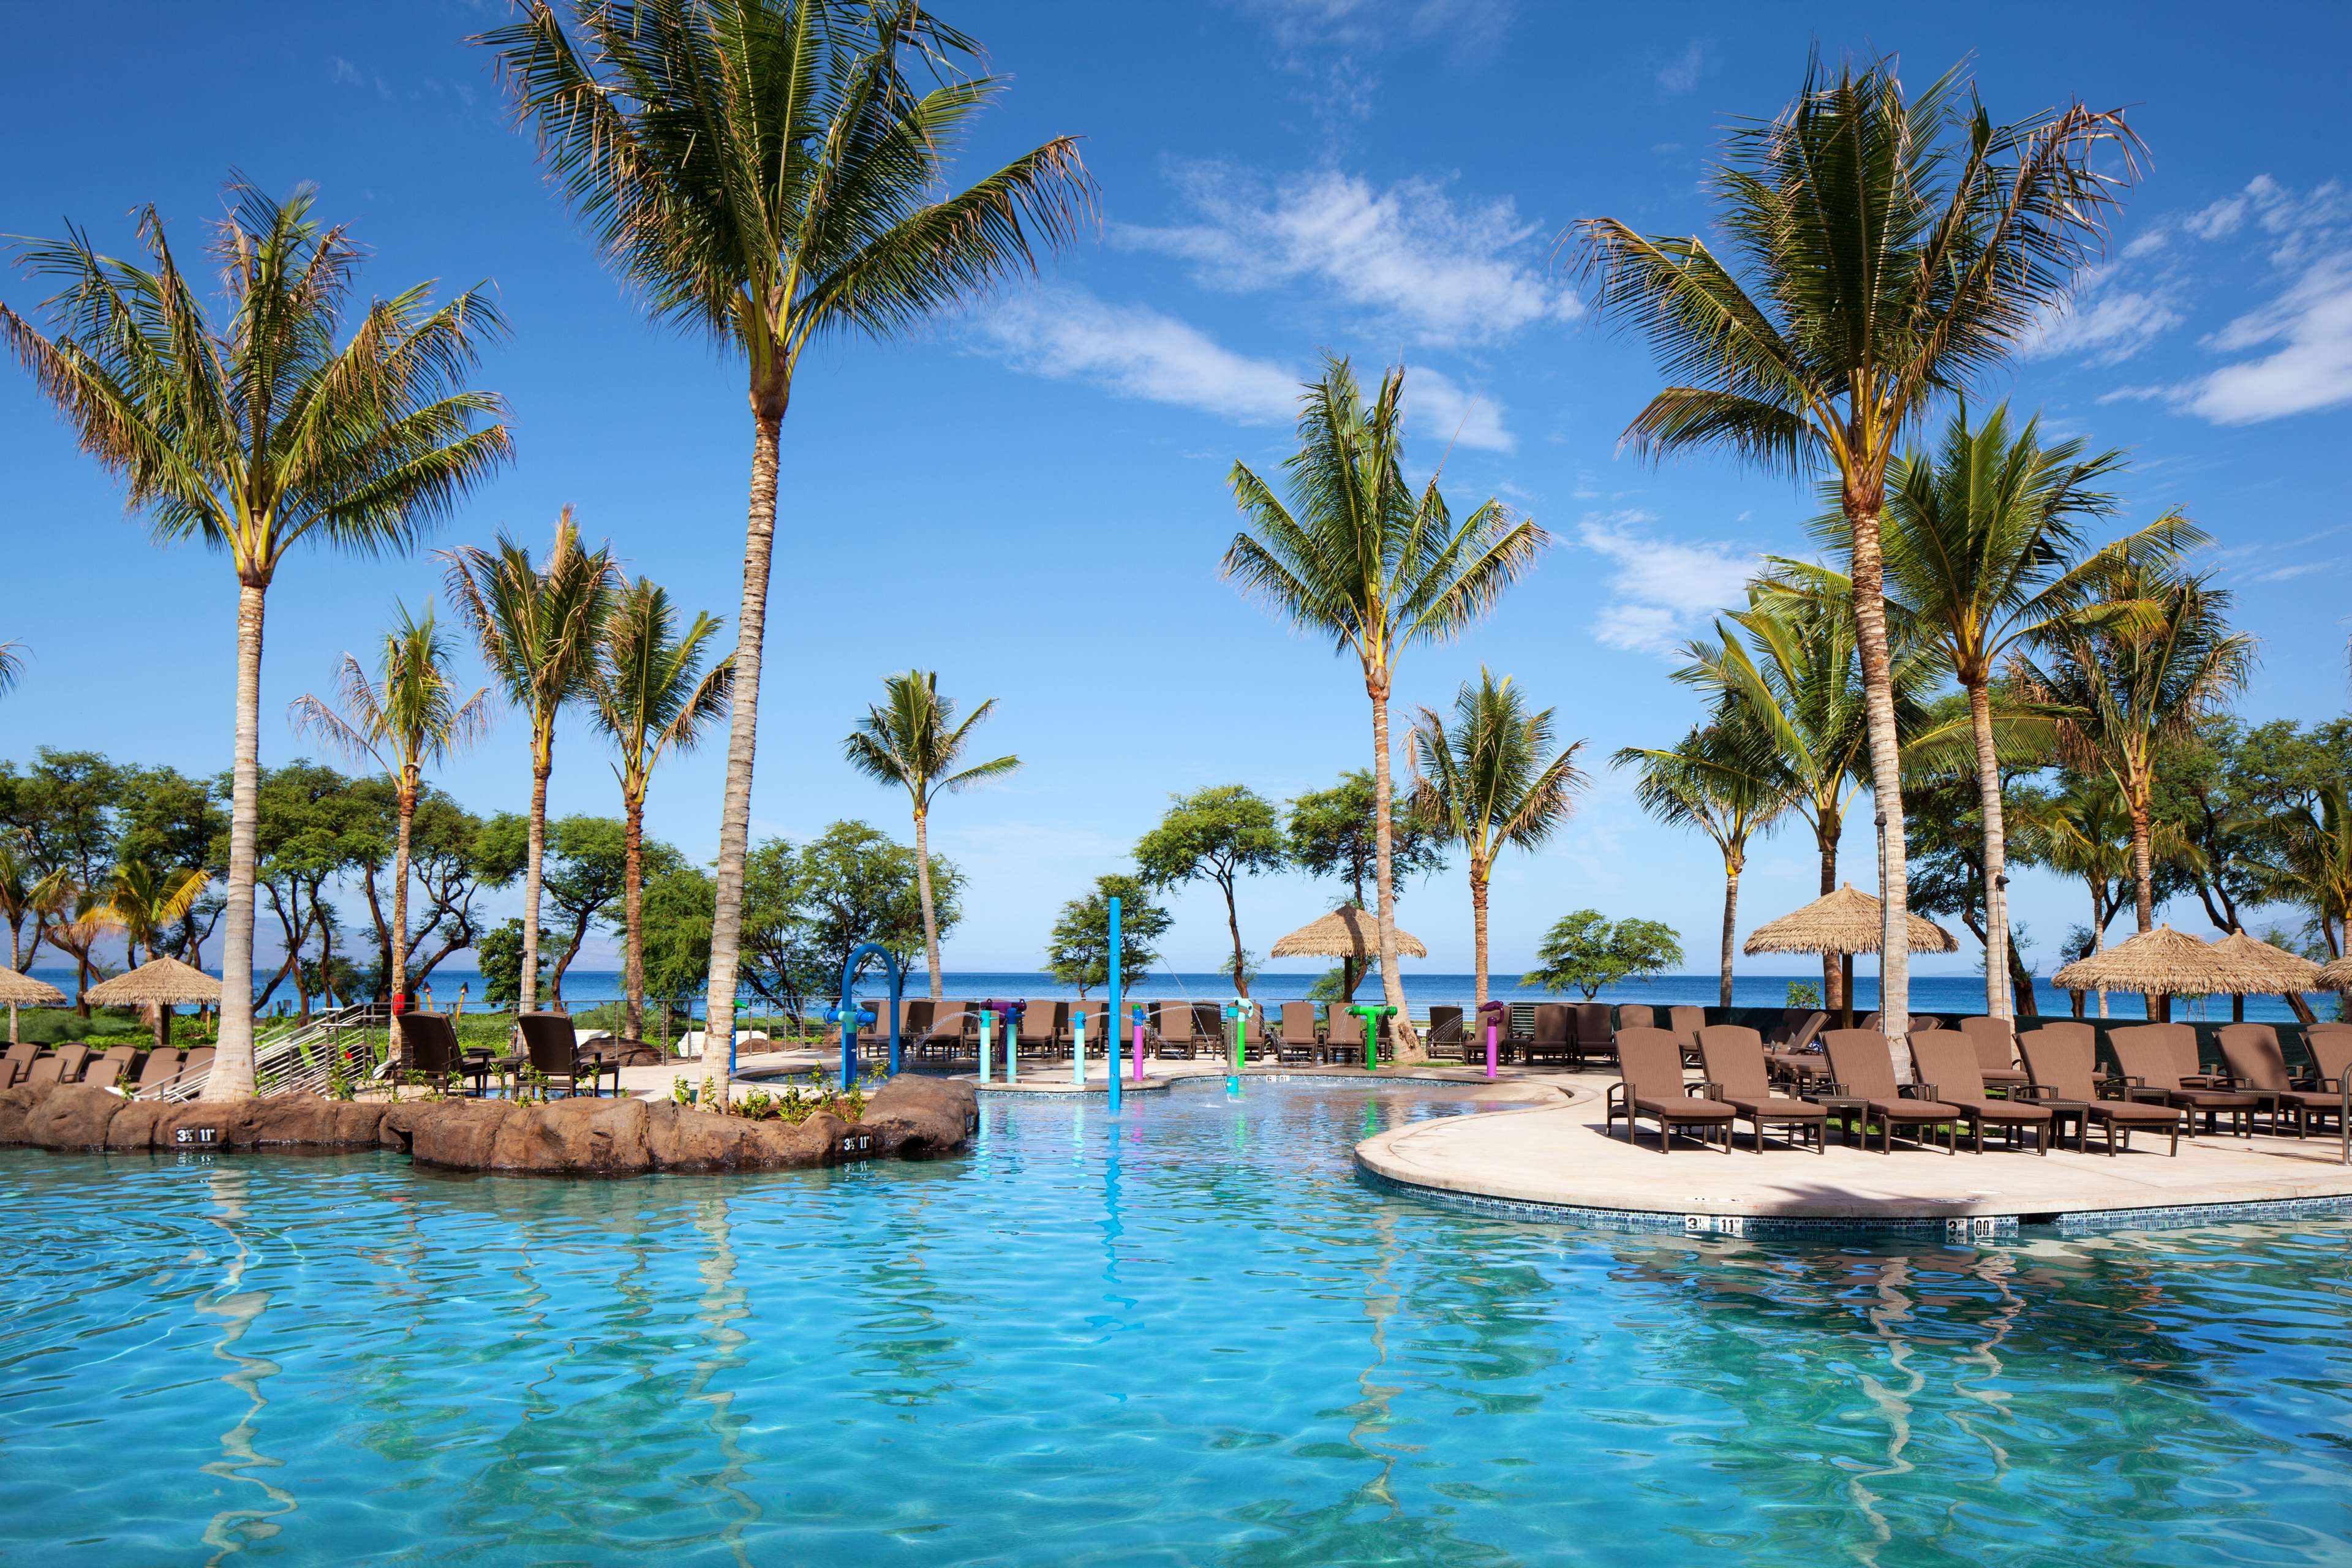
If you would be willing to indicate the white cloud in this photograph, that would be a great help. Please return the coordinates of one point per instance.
(1663, 589)
(1068, 334)
(1434, 405)
(1682, 75)
(343, 73)
(2105, 325)
(2310, 369)
(1445, 273)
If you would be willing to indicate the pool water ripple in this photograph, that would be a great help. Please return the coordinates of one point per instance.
(1189, 1335)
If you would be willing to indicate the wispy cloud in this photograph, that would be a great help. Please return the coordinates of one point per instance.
(2105, 323)
(1446, 273)
(343, 73)
(1681, 76)
(1663, 590)
(1435, 406)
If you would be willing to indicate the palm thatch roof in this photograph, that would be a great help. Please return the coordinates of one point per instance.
(2263, 970)
(1345, 932)
(159, 980)
(1848, 921)
(20, 990)
(2338, 976)
(2159, 962)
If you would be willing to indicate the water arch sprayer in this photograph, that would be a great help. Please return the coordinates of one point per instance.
(849, 1015)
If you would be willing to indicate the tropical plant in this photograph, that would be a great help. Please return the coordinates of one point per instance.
(1491, 783)
(25, 891)
(258, 431)
(538, 629)
(1358, 556)
(410, 716)
(1586, 951)
(141, 903)
(768, 172)
(1336, 832)
(2312, 866)
(652, 697)
(2083, 831)
(1895, 246)
(1222, 832)
(1722, 780)
(11, 666)
(913, 741)
(1077, 951)
(2123, 690)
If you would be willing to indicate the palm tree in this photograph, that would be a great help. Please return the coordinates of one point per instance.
(538, 631)
(11, 666)
(913, 741)
(25, 893)
(1894, 246)
(1357, 556)
(410, 716)
(1487, 784)
(2312, 865)
(258, 432)
(1722, 780)
(2083, 831)
(2123, 691)
(140, 902)
(767, 173)
(652, 697)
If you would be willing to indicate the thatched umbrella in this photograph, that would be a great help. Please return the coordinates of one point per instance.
(1349, 934)
(21, 990)
(2338, 976)
(2159, 962)
(2258, 969)
(160, 983)
(1844, 923)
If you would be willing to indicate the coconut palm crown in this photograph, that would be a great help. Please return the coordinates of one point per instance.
(259, 429)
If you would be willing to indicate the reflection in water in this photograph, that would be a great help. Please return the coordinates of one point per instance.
(1184, 1334)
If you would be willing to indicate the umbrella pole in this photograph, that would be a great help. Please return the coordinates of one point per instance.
(1845, 978)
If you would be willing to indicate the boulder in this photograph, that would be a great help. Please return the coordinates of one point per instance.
(72, 1116)
(16, 1107)
(919, 1118)
(308, 1122)
(133, 1127)
(574, 1137)
(682, 1138)
(455, 1133)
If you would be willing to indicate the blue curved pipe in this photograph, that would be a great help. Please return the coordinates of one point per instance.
(847, 1012)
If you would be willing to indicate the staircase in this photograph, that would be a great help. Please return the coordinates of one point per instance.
(297, 1058)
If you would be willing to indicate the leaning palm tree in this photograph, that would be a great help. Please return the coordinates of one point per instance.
(652, 697)
(25, 891)
(256, 432)
(537, 628)
(1894, 246)
(768, 172)
(410, 716)
(1490, 783)
(914, 741)
(2123, 691)
(1722, 780)
(1358, 556)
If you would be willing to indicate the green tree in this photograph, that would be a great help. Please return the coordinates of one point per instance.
(142, 903)
(257, 431)
(312, 828)
(1722, 781)
(1490, 784)
(676, 923)
(2311, 867)
(166, 821)
(538, 629)
(589, 861)
(914, 741)
(1220, 835)
(768, 172)
(652, 698)
(1357, 556)
(1335, 832)
(1895, 246)
(2082, 831)
(1077, 951)
(25, 893)
(62, 811)
(1587, 951)
(408, 717)
(500, 955)
(810, 906)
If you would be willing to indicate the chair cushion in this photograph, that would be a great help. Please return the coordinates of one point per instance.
(1685, 1108)
(2020, 1112)
(2135, 1110)
(1781, 1105)
(1916, 1110)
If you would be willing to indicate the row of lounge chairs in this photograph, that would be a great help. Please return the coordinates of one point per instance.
(131, 1069)
(2158, 1085)
(950, 1029)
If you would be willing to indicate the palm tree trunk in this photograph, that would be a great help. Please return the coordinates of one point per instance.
(742, 727)
(632, 906)
(1478, 931)
(1408, 1048)
(1825, 836)
(398, 968)
(232, 1072)
(542, 763)
(1885, 781)
(930, 915)
(1996, 896)
(1731, 868)
(2144, 887)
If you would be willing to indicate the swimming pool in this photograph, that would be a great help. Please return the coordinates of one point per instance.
(1186, 1336)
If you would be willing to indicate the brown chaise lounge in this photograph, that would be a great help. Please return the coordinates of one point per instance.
(2257, 1066)
(1298, 1042)
(17, 1063)
(1797, 1055)
(1738, 1075)
(1685, 1023)
(2149, 1062)
(1862, 1069)
(1949, 1072)
(2059, 1057)
(1996, 1044)
(1650, 1083)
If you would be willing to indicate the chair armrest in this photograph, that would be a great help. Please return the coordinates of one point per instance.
(1920, 1091)
(2032, 1091)
(1832, 1089)
(1705, 1090)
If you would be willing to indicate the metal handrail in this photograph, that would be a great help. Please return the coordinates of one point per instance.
(283, 1063)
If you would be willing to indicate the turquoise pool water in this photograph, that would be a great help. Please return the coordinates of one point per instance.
(1187, 1337)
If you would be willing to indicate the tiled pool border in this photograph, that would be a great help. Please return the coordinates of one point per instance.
(1961, 1228)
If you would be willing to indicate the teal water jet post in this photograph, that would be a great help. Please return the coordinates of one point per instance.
(1110, 1018)
(1492, 1012)
(986, 1015)
(1372, 1013)
(1013, 1011)
(851, 1017)
(1078, 1049)
(1237, 1012)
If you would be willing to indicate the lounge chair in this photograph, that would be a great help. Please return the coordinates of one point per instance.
(47, 1068)
(1864, 1069)
(1041, 1027)
(1796, 1056)
(1554, 1037)
(430, 1043)
(2181, 1041)
(1096, 1017)
(2149, 1061)
(1996, 1042)
(1298, 1043)
(1950, 1071)
(161, 1066)
(1921, 1021)
(1448, 1036)
(2060, 1059)
(1637, 1015)
(2330, 1045)
(943, 1028)
(1592, 1034)
(2258, 1066)
(110, 1070)
(1650, 1083)
(1684, 1023)
(1738, 1075)
(194, 1070)
(1343, 1038)
(17, 1063)
(70, 1060)
(551, 1047)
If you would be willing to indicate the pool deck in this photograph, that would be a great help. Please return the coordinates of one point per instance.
(1554, 1162)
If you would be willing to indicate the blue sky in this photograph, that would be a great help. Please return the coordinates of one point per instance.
(1031, 497)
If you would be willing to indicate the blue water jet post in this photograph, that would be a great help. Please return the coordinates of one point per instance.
(1110, 1018)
